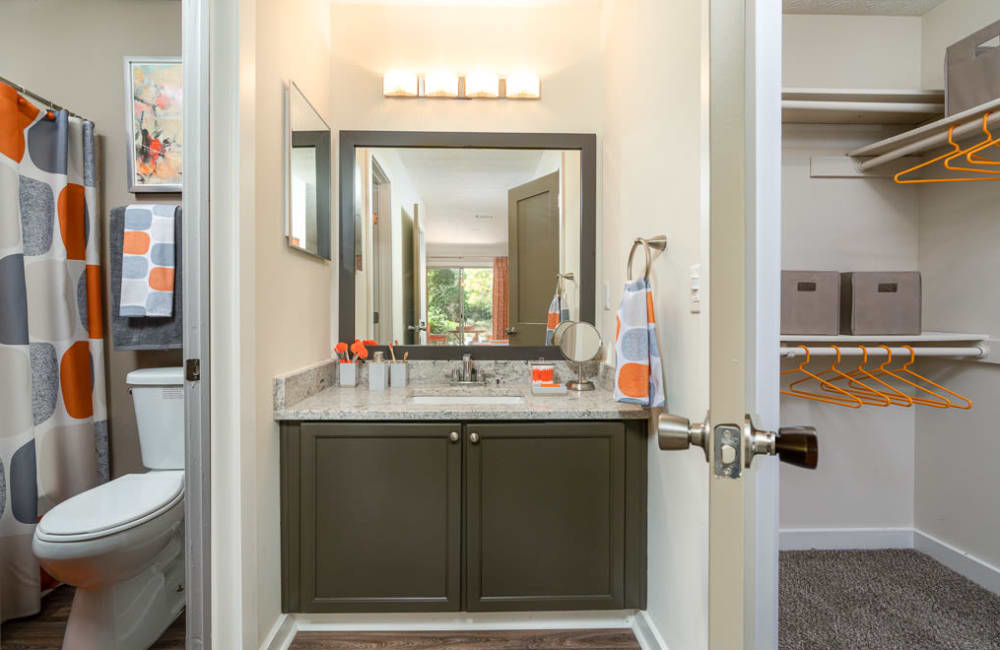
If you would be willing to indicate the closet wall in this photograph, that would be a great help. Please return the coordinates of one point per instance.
(865, 475)
(956, 477)
(921, 476)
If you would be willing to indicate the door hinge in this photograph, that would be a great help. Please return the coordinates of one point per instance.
(192, 369)
(375, 318)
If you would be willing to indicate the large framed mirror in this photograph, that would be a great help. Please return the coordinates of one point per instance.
(307, 175)
(466, 242)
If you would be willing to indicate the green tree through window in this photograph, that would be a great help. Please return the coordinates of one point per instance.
(447, 288)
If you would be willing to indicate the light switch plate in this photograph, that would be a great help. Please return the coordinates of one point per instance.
(694, 289)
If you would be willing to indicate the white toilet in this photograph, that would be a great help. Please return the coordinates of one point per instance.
(121, 544)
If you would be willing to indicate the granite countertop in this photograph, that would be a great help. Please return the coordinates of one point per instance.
(358, 403)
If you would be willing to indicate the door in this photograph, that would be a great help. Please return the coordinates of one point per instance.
(533, 251)
(382, 247)
(409, 311)
(545, 516)
(380, 517)
(419, 278)
(744, 277)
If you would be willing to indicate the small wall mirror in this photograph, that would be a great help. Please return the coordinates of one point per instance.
(307, 176)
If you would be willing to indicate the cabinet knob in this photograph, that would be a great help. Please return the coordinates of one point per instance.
(474, 438)
(453, 436)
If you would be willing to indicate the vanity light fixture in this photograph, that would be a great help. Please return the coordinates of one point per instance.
(482, 85)
(399, 83)
(448, 85)
(441, 84)
(523, 85)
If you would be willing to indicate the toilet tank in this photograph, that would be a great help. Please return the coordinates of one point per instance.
(158, 398)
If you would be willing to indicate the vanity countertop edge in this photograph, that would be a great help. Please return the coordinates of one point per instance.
(359, 403)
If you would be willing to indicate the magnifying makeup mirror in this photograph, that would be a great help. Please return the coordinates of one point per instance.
(580, 343)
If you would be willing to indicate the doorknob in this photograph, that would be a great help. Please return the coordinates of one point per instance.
(675, 432)
(510, 331)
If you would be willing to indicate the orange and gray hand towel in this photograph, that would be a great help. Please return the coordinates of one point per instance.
(558, 312)
(148, 261)
(638, 370)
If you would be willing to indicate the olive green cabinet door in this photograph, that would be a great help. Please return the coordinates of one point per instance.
(545, 516)
(381, 510)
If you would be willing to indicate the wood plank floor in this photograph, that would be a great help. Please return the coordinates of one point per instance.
(44, 631)
(612, 639)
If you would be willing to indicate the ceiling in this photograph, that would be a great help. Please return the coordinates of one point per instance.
(456, 185)
(861, 7)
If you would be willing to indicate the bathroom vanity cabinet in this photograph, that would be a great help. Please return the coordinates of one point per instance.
(463, 516)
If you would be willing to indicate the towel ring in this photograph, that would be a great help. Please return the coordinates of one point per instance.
(658, 243)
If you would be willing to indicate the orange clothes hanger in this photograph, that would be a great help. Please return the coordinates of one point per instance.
(895, 396)
(847, 399)
(941, 403)
(906, 368)
(954, 153)
(987, 142)
(993, 141)
(863, 391)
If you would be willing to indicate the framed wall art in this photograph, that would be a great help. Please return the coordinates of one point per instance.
(154, 135)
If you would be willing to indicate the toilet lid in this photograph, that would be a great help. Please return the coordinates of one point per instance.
(112, 507)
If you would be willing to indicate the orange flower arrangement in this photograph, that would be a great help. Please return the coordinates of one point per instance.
(341, 350)
(359, 350)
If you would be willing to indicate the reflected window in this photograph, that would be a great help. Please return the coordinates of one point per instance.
(460, 306)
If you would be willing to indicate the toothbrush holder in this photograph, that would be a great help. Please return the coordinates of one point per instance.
(378, 378)
(348, 374)
(399, 372)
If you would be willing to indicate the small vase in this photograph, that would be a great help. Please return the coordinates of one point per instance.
(348, 374)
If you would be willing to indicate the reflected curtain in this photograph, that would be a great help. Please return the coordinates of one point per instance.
(501, 297)
(53, 429)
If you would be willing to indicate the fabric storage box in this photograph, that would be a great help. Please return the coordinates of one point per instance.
(880, 302)
(972, 70)
(810, 302)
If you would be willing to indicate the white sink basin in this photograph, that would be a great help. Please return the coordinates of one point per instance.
(458, 400)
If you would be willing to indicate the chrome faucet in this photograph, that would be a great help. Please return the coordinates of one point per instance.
(466, 367)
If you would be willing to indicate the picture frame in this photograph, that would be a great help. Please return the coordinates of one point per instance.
(153, 126)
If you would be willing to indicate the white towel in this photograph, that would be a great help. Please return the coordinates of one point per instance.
(148, 260)
(638, 370)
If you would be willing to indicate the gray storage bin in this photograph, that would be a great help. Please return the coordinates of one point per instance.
(880, 302)
(972, 70)
(810, 302)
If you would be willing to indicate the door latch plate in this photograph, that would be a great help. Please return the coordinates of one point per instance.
(192, 369)
(727, 459)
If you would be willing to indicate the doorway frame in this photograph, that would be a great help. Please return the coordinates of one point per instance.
(196, 66)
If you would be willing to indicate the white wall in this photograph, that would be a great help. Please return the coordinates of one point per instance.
(865, 474)
(951, 21)
(851, 51)
(655, 120)
(292, 290)
(957, 482)
(560, 41)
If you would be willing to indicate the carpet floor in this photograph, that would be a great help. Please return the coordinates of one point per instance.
(882, 600)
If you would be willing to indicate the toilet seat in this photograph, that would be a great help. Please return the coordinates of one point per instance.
(113, 507)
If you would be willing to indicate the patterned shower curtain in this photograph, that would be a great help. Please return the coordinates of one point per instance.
(53, 420)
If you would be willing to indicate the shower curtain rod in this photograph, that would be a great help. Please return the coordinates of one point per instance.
(48, 104)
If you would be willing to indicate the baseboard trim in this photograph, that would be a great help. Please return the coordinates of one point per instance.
(839, 539)
(646, 632)
(982, 573)
(464, 621)
(281, 635)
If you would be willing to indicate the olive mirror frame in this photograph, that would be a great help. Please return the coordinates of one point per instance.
(585, 143)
